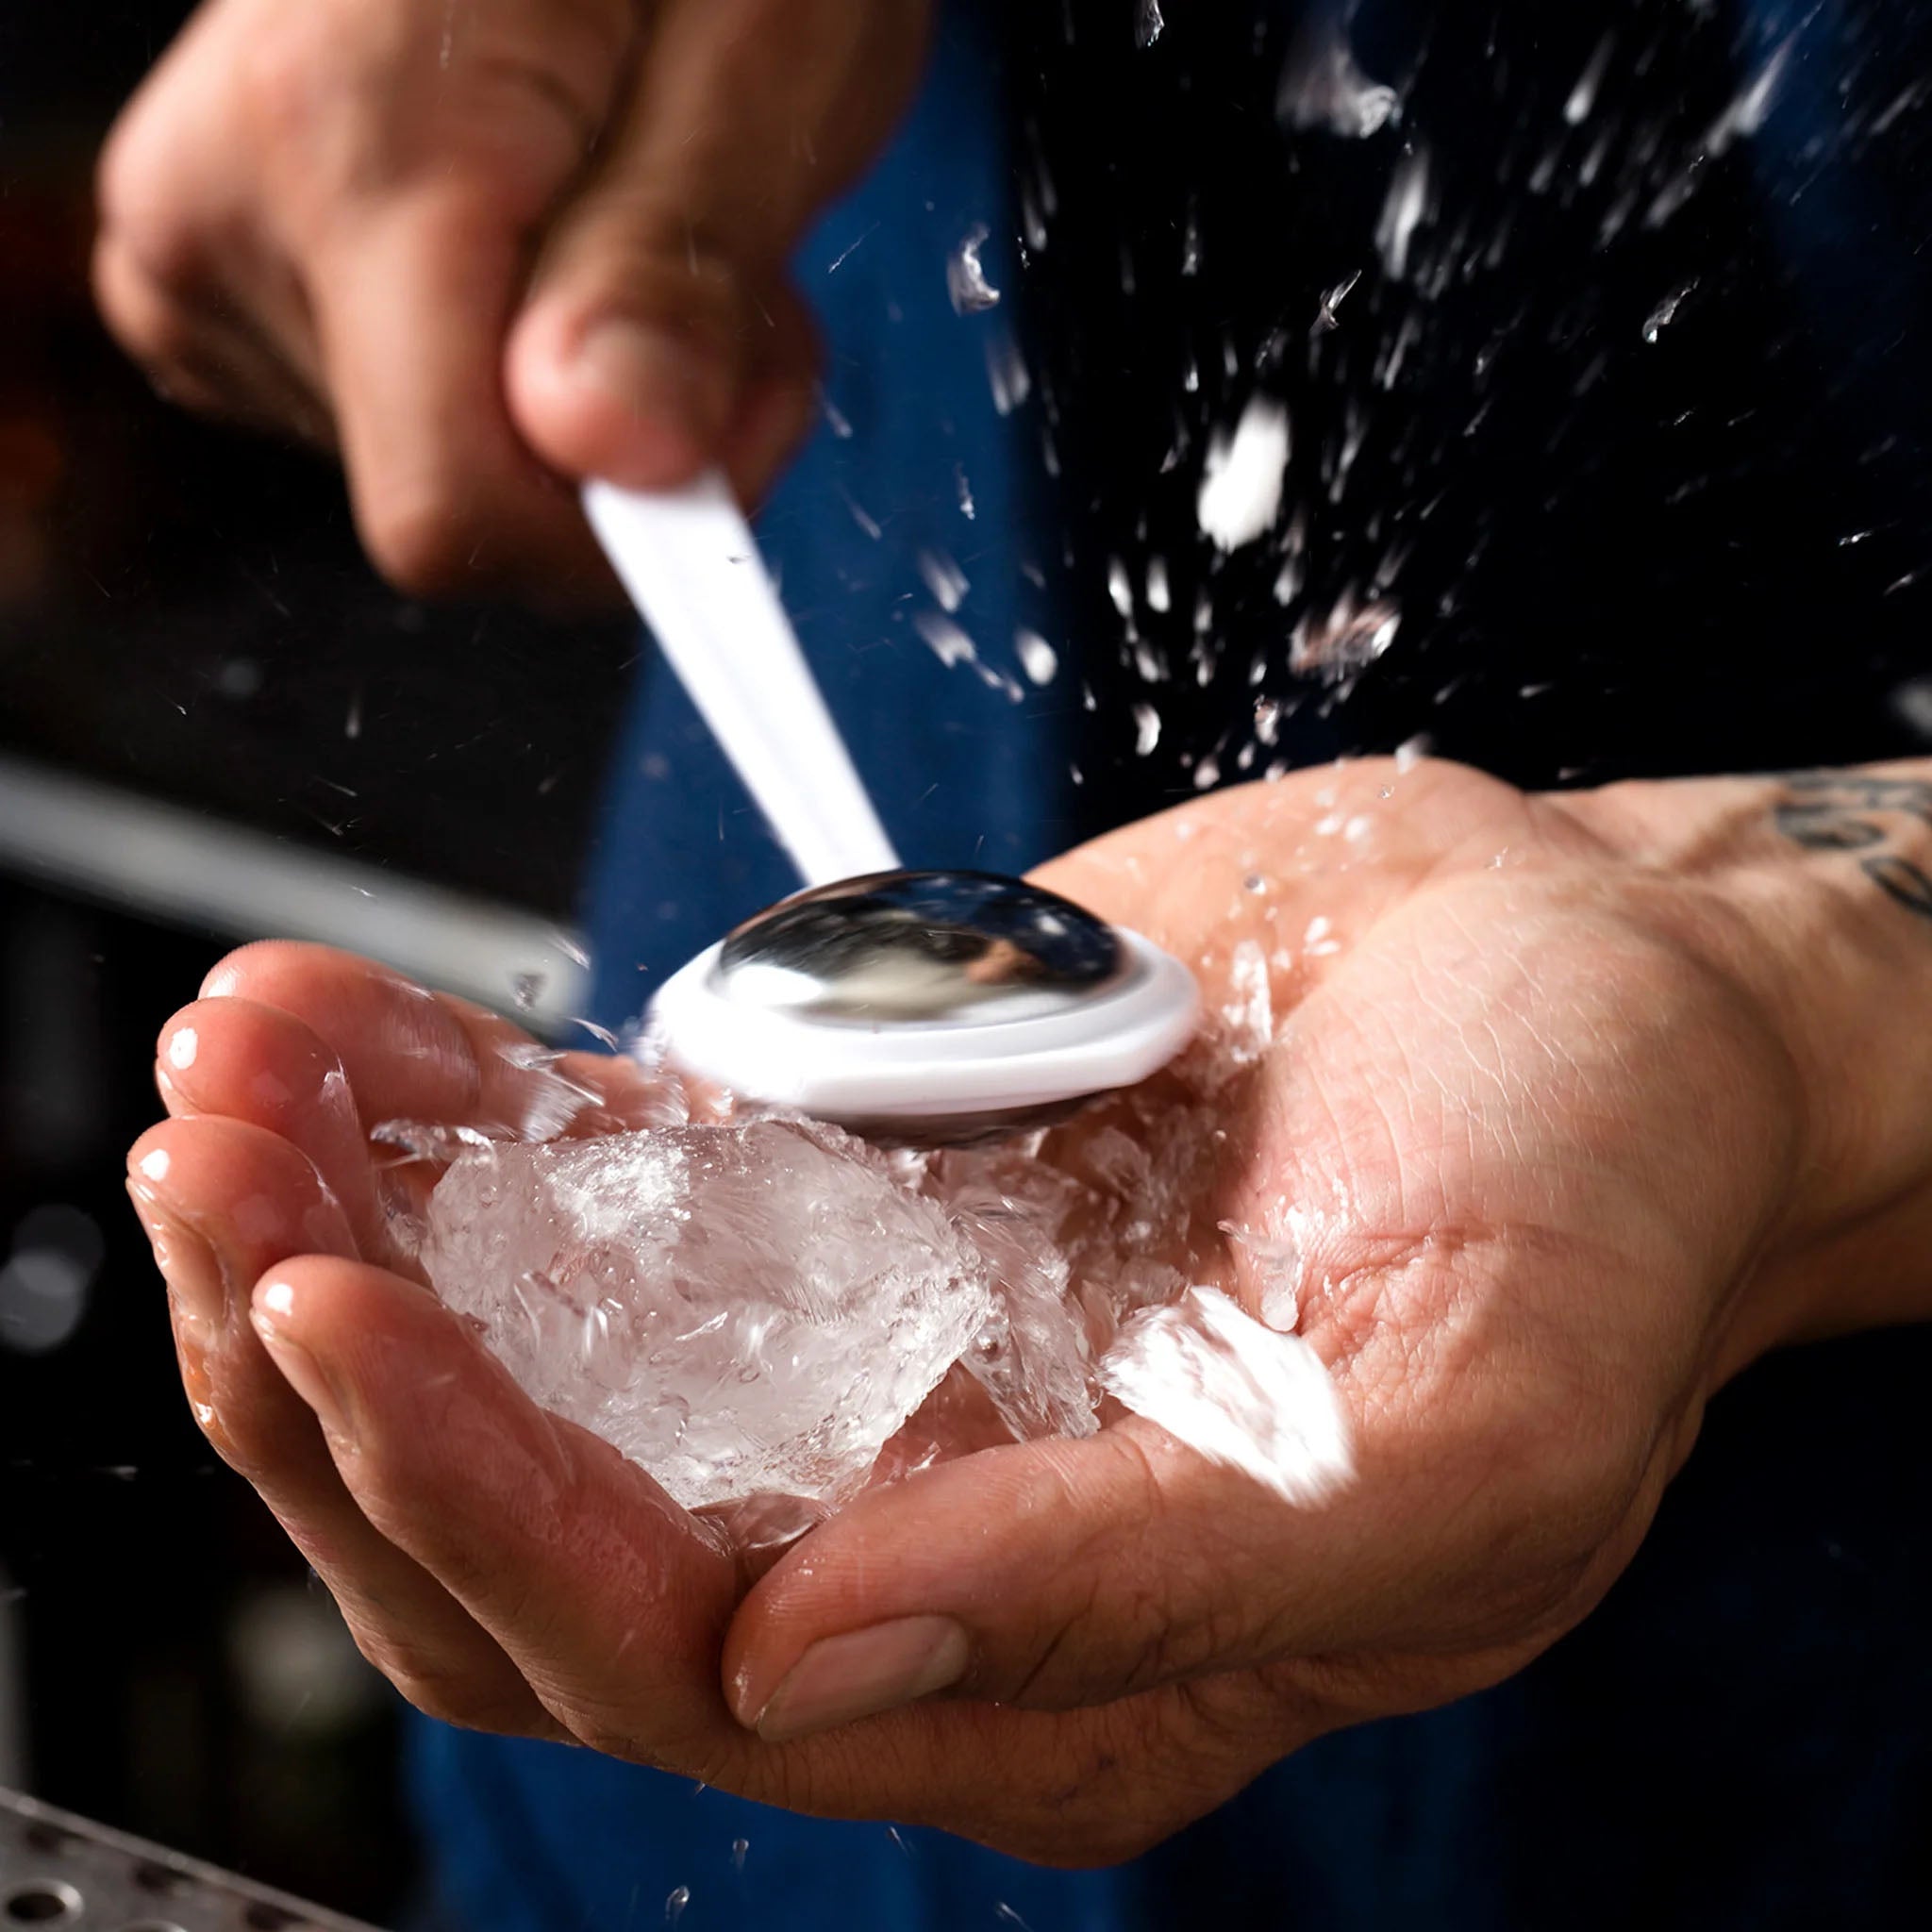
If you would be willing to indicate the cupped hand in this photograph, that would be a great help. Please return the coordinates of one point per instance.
(478, 247)
(1538, 1155)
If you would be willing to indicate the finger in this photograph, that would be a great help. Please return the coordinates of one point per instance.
(1052, 1575)
(198, 354)
(181, 207)
(611, 1604)
(631, 353)
(417, 1055)
(601, 1591)
(222, 1200)
(412, 304)
(259, 1064)
(411, 206)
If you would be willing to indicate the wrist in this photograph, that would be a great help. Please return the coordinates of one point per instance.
(1806, 895)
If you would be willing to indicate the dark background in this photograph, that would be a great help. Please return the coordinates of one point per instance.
(184, 615)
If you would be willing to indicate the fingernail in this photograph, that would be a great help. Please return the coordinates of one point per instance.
(275, 1302)
(188, 1264)
(842, 1679)
(653, 374)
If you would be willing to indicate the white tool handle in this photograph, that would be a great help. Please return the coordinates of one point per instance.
(689, 561)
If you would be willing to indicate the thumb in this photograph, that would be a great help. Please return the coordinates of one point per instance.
(657, 334)
(1048, 1575)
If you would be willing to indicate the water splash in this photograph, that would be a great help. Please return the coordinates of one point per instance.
(1751, 108)
(1402, 212)
(1237, 1391)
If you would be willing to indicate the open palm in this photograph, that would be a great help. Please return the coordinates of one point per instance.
(1527, 1151)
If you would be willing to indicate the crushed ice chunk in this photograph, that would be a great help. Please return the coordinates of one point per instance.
(1249, 1014)
(1238, 1392)
(1332, 299)
(1582, 100)
(1148, 23)
(1276, 1262)
(1241, 485)
(966, 282)
(1146, 729)
(1347, 640)
(1031, 1355)
(1661, 317)
(1321, 86)
(739, 1310)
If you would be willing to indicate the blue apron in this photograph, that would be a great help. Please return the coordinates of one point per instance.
(1738, 1739)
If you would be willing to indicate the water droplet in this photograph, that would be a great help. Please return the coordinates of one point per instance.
(1403, 209)
(944, 579)
(1577, 109)
(1038, 658)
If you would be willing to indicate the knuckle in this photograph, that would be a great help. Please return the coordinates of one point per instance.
(146, 222)
(450, 1694)
(292, 79)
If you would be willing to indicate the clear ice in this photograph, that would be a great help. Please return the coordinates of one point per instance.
(1236, 1392)
(743, 1310)
(766, 1312)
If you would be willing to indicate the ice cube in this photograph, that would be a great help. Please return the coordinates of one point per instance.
(742, 1309)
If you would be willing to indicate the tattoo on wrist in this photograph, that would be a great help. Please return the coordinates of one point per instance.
(1848, 811)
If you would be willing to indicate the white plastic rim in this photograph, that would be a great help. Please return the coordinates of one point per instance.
(847, 1070)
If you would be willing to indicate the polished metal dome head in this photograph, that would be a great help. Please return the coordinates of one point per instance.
(921, 947)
